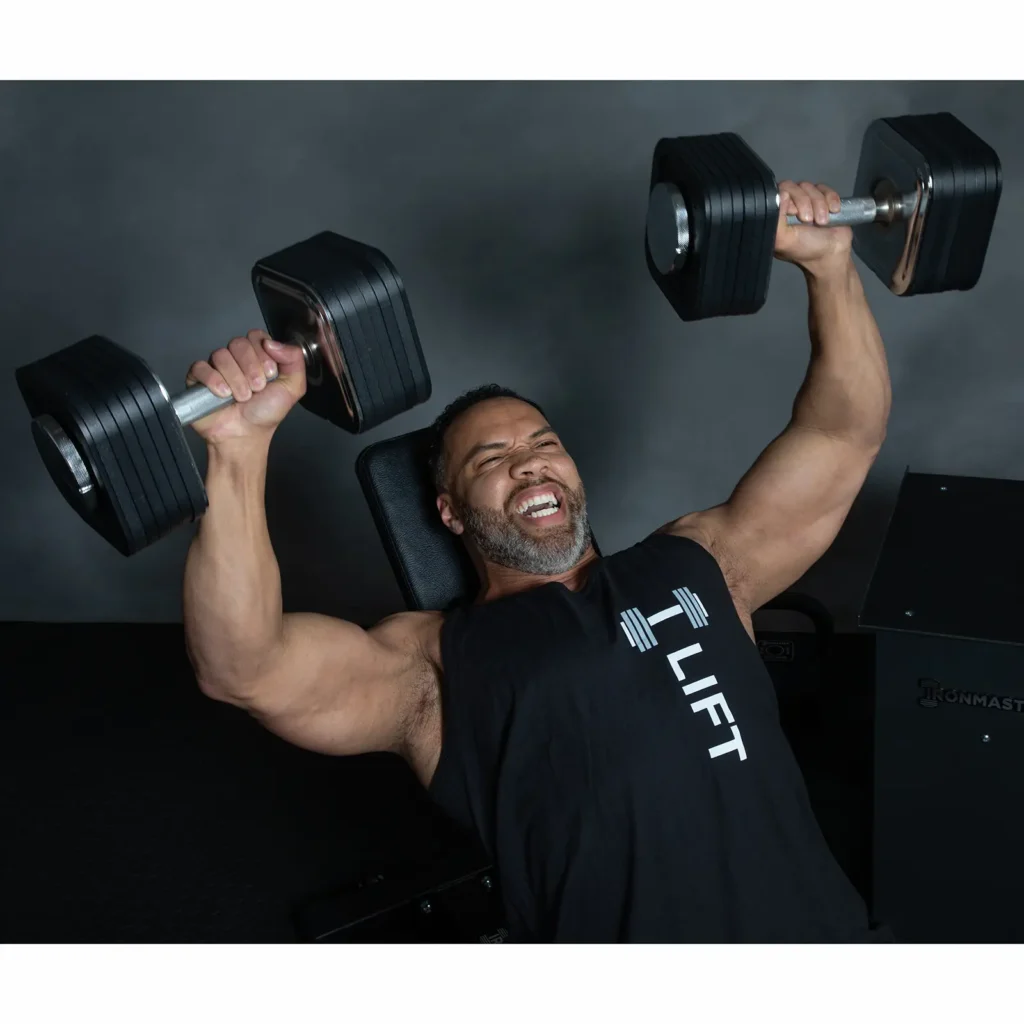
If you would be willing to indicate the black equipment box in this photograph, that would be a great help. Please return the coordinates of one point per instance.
(947, 600)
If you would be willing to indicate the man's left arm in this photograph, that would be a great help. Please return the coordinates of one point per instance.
(788, 508)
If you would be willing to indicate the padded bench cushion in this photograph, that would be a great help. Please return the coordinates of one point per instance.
(433, 570)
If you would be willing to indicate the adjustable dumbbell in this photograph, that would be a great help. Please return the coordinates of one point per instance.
(927, 193)
(112, 437)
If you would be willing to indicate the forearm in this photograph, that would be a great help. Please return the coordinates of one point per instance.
(232, 591)
(847, 391)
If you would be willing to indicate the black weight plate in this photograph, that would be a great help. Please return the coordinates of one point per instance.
(731, 206)
(971, 174)
(352, 291)
(110, 411)
(709, 247)
(747, 179)
(119, 478)
(181, 460)
(766, 213)
(754, 172)
(302, 267)
(168, 494)
(970, 240)
(885, 155)
(108, 381)
(937, 234)
(720, 233)
(397, 315)
(982, 190)
(684, 287)
(691, 289)
(749, 171)
(938, 151)
(348, 292)
(399, 370)
(927, 259)
(123, 526)
(401, 310)
(48, 389)
(744, 224)
(674, 286)
(950, 276)
(182, 477)
(355, 345)
(392, 348)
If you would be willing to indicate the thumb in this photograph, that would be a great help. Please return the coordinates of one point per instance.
(291, 366)
(289, 358)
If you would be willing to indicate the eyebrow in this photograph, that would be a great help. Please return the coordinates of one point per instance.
(499, 445)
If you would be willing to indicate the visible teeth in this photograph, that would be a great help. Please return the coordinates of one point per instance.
(537, 499)
(542, 512)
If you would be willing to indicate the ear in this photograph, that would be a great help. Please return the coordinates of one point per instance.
(448, 516)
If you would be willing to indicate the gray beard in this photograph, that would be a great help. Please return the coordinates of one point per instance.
(503, 541)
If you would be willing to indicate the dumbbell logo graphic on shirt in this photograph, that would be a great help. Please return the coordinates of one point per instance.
(639, 632)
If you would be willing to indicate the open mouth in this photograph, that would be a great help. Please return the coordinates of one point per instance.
(540, 505)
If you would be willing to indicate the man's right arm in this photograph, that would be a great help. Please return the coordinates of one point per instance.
(318, 682)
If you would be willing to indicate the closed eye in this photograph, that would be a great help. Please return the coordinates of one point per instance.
(498, 458)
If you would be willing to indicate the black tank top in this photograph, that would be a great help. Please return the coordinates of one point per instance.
(618, 752)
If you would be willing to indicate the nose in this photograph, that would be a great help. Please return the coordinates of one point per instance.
(528, 464)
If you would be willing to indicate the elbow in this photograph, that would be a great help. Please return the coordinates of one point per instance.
(217, 689)
(237, 682)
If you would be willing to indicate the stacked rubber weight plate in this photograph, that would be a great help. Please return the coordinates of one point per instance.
(111, 407)
(381, 363)
(966, 183)
(732, 210)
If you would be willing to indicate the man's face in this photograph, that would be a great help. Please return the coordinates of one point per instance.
(512, 490)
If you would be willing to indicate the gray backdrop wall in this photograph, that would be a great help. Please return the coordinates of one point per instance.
(514, 212)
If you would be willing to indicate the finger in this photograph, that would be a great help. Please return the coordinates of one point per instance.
(832, 197)
(802, 201)
(203, 373)
(258, 337)
(819, 205)
(224, 361)
(787, 205)
(250, 360)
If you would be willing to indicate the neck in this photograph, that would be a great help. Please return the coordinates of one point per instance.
(499, 581)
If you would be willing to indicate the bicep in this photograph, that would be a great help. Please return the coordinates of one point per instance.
(337, 688)
(786, 511)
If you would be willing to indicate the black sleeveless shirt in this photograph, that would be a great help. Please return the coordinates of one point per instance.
(618, 752)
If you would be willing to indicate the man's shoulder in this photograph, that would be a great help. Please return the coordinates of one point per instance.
(709, 529)
(415, 633)
(699, 527)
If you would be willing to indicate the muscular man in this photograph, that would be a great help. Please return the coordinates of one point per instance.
(605, 725)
